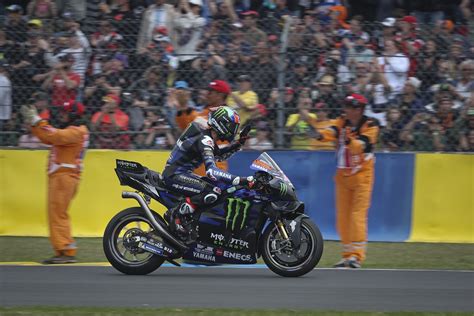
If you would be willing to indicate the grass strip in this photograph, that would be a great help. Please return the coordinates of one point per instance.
(103, 311)
(380, 255)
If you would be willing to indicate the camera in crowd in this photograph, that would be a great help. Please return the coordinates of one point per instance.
(331, 64)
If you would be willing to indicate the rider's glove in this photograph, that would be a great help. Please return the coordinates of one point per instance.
(244, 135)
(249, 182)
(30, 115)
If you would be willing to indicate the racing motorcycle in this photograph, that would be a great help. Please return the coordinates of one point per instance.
(244, 224)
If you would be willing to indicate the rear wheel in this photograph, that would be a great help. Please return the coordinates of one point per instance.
(283, 259)
(121, 248)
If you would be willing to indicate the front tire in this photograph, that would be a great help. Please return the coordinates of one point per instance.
(123, 257)
(288, 262)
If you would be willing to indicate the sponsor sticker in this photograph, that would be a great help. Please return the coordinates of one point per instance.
(203, 256)
(236, 256)
(207, 141)
(238, 243)
(237, 212)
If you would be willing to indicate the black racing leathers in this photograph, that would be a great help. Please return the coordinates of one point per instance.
(194, 147)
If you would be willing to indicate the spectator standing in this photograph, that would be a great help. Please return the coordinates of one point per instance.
(64, 170)
(126, 17)
(181, 105)
(15, 25)
(110, 123)
(298, 125)
(356, 136)
(244, 99)
(42, 9)
(148, 92)
(62, 81)
(158, 132)
(326, 92)
(322, 121)
(8, 49)
(28, 62)
(410, 102)
(264, 68)
(390, 134)
(388, 33)
(261, 139)
(5, 95)
(333, 66)
(159, 14)
(188, 26)
(422, 133)
(466, 128)
(77, 46)
(76, 7)
(207, 68)
(395, 67)
(252, 34)
(465, 84)
(358, 52)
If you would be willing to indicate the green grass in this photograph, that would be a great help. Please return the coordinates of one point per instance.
(380, 255)
(88, 311)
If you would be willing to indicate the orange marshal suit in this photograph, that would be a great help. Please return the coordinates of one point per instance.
(64, 170)
(354, 180)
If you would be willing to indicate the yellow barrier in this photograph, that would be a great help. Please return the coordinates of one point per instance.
(23, 191)
(443, 209)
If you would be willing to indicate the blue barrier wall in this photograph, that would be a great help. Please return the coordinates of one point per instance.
(312, 175)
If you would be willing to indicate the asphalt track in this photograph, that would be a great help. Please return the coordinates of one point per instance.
(322, 289)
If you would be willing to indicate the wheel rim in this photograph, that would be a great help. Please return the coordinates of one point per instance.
(122, 249)
(284, 256)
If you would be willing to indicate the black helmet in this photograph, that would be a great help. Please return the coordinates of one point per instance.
(225, 122)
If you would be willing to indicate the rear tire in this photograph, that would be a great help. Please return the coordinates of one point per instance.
(310, 235)
(116, 251)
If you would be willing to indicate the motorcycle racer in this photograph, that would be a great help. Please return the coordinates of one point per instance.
(197, 145)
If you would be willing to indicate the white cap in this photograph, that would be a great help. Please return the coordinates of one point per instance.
(196, 2)
(415, 82)
(389, 22)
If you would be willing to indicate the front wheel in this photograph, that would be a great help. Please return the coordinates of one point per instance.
(120, 248)
(283, 259)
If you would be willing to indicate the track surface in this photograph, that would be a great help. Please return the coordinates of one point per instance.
(324, 289)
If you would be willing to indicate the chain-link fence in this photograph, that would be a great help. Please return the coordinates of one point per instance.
(158, 62)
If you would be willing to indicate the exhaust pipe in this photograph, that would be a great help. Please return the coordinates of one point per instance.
(164, 233)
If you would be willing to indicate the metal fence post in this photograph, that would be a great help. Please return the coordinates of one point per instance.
(280, 123)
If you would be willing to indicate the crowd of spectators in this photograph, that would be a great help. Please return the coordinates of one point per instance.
(138, 66)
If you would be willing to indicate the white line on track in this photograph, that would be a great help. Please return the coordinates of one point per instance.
(223, 266)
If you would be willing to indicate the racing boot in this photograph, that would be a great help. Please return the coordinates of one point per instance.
(176, 217)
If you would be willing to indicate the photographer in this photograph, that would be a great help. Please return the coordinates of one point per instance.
(423, 133)
(146, 93)
(332, 66)
(109, 122)
(157, 131)
(62, 81)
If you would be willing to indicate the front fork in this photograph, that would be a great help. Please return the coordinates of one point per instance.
(282, 230)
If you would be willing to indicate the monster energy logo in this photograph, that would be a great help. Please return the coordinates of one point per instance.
(219, 113)
(283, 188)
(235, 207)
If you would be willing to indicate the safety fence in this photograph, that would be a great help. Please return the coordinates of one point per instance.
(415, 198)
(417, 78)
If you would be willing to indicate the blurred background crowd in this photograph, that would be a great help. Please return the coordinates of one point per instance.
(138, 66)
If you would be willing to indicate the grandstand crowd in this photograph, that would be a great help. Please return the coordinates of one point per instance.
(140, 66)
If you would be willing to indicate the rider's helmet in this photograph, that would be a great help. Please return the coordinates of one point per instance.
(225, 122)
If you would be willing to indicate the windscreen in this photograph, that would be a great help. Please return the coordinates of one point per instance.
(265, 163)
